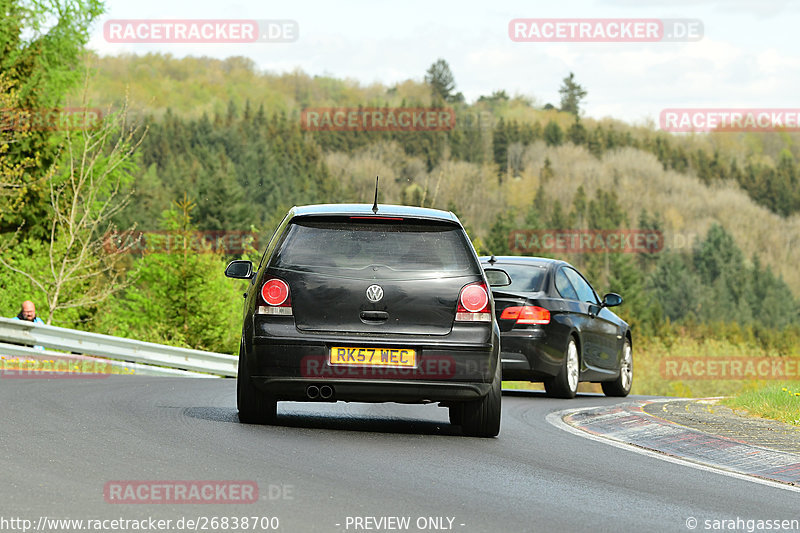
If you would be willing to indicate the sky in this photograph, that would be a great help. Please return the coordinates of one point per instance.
(748, 56)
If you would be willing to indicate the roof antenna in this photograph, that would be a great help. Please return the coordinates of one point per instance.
(375, 205)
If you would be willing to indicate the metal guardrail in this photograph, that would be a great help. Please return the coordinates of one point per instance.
(18, 358)
(96, 344)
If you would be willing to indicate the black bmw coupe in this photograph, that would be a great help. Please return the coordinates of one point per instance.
(554, 328)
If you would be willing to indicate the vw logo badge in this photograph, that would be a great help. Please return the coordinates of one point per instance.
(374, 293)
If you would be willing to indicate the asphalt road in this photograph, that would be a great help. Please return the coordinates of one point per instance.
(63, 440)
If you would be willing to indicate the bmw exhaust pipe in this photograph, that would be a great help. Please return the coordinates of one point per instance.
(312, 392)
(326, 392)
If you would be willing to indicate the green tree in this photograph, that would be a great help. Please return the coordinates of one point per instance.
(577, 132)
(181, 296)
(41, 47)
(654, 227)
(441, 80)
(496, 96)
(497, 242)
(538, 212)
(571, 95)
(579, 206)
(12, 169)
(720, 266)
(558, 219)
(76, 269)
(677, 289)
(605, 212)
(595, 142)
(770, 298)
(546, 173)
(500, 144)
(248, 172)
(717, 255)
(639, 308)
(553, 134)
(412, 195)
(534, 218)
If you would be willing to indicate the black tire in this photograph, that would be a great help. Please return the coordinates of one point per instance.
(456, 414)
(621, 386)
(481, 418)
(565, 383)
(255, 407)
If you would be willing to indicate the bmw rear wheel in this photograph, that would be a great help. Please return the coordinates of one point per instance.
(621, 386)
(565, 383)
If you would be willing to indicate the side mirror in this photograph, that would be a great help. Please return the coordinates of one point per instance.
(497, 277)
(612, 299)
(239, 269)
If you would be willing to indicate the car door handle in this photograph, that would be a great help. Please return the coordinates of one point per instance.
(374, 316)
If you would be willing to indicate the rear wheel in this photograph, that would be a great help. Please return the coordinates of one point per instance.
(456, 414)
(565, 383)
(255, 407)
(622, 385)
(481, 418)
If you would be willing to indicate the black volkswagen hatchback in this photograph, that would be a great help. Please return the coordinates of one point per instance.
(555, 329)
(354, 303)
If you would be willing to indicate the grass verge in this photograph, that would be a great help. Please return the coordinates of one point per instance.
(777, 402)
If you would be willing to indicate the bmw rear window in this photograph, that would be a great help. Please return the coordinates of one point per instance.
(403, 245)
(524, 278)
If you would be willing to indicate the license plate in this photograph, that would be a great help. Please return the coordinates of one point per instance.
(352, 356)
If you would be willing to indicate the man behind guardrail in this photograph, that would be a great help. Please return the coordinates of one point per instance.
(28, 312)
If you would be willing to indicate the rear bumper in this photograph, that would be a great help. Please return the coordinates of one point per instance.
(364, 390)
(528, 355)
(285, 368)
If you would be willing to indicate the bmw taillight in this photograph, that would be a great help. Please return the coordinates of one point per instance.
(473, 304)
(275, 293)
(528, 314)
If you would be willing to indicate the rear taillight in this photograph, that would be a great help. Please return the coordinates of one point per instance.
(473, 304)
(528, 314)
(275, 294)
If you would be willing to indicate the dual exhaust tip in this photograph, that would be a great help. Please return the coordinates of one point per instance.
(324, 392)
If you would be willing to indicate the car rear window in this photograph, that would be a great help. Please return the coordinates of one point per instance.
(524, 278)
(399, 245)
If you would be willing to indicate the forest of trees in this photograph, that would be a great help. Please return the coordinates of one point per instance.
(241, 162)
